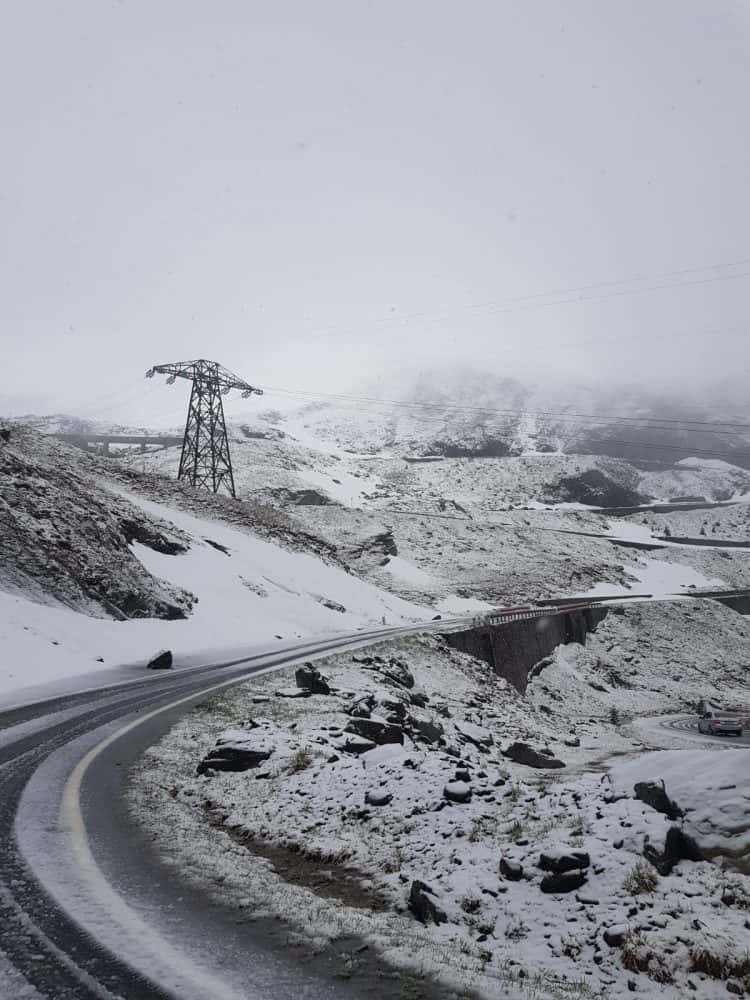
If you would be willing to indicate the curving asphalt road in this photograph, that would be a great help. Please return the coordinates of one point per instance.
(87, 908)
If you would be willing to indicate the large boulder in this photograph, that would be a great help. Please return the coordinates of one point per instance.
(594, 488)
(511, 870)
(423, 906)
(309, 678)
(377, 730)
(422, 727)
(563, 881)
(470, 733)
(678, 846)
(457, 791)
(522, 753)
(240, 755)
(654, 794)
(394, 670)
(563, 861)
(162, 661)
(377, 797)
(357, 744)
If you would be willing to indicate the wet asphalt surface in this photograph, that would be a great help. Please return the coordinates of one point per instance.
(54, 954)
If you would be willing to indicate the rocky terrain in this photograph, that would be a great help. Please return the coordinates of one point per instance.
(409, 796)
(64, 539)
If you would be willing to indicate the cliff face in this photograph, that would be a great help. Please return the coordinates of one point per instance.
(513, 649)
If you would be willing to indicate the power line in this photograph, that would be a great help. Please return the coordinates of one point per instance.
(663, 423)
(574, 295)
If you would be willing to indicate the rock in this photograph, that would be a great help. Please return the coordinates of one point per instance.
(615, 935)
(310, 679)
(474, 734)
(422, 906)
(394, 710)
(418, 698)
(563, 881)
(572, 741)
(563, 861)
(594, 488)
(522, 753)
(377, 797)
(654, 794)
(379, 732)
(5, 434)
(292, 692)
(394, 670)
(511, 870)
(358, 745)
(429, 730)
(457, 791)
(234, 758)
(162, 661)
(462, 775)
(678, 846)
(734, 987)
(362, 706)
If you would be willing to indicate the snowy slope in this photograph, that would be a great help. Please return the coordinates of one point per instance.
(247, 592)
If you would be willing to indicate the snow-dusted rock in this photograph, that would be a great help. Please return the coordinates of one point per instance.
(292, 692)
(563, 860)
(377, 730)
(457, 791)
(357, 744)
(161, 661)
(654, 794)
(511, 870)
(237, 751)
(563, 881)
(474, 734)
(423, 906)
(310, 679)
(615, 935)
(522, 753)
(378, 797)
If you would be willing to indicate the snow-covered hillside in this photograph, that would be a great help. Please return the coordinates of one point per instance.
(94, 575)
(499, 873)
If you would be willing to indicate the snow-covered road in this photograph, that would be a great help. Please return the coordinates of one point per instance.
(86, 911)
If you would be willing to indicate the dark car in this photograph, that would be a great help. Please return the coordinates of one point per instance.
(709, 724)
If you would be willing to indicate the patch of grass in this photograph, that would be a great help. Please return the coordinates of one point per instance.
(410, 988)
(637, 956)
(717, 966)
(516, 929)
(481, 827)
(470, 904)
(516, 830)
(579, 826)
(641, 879)
(300, 761)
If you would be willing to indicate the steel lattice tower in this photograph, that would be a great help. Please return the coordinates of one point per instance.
(205, 460)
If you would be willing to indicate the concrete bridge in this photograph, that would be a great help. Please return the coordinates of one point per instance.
(101, 442)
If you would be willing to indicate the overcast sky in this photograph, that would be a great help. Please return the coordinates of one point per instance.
(310, 192)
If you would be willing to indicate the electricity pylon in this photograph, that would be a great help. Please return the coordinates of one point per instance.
(205, 460)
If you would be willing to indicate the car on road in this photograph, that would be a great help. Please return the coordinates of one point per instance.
(711, 725)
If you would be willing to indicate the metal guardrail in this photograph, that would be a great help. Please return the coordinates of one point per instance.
(501, 617)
